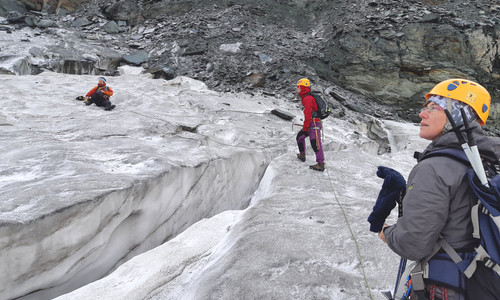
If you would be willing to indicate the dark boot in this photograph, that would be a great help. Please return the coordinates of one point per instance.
(301, 157)
(318, 167)
(110, 107)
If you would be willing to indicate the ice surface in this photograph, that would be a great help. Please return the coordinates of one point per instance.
(305, 236)
(85, 190)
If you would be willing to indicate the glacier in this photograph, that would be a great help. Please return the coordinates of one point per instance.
(181, 192)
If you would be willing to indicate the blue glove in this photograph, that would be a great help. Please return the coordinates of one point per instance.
(394, 184)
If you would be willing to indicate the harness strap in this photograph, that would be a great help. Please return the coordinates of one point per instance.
(475, 221)
(495, 267)
(417, 279)
(420, 271)
(482, 255)
(450, 251)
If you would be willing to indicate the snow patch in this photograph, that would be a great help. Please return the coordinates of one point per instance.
(233, 48)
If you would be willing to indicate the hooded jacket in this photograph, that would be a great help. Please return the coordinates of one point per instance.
(438, 201)
(310, 105)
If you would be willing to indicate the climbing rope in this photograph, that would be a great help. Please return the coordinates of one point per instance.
(147, 116)
(209, 138)
(345, 218)
(352, 234)
(241, 111)
(329, 179)
(243, 147)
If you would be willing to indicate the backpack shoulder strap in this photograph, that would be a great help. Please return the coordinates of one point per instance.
(311, 93)
(456, 154)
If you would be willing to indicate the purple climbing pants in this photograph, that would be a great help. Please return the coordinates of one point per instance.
(314, 134)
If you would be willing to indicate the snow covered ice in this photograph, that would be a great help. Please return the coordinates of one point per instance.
(184, 193)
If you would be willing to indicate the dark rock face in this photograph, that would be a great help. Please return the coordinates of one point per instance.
(388, 52)
(10, 6)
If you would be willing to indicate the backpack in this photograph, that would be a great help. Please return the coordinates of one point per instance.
(484, 261)
(323, 108)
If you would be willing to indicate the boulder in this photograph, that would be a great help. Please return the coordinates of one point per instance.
(111, 27)
(80, 22)
(8, 6)
(136, 58)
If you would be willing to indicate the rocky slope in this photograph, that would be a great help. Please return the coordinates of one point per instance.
(375, 57)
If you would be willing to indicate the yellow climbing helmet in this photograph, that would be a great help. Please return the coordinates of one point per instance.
(469, 92)
(304, 82)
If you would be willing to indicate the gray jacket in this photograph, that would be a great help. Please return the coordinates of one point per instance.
(437, 203)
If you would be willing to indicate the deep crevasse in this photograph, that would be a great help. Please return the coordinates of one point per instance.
(93, 238)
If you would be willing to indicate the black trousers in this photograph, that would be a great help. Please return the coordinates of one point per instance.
(100, 99)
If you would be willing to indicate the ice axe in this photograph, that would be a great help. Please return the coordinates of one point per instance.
(402, 262)
(296, 124)
(476, 157)
(470, 146)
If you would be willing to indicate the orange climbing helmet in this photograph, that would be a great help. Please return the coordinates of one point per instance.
(469, 92)
(304, 82)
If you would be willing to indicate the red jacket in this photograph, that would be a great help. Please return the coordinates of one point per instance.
(105, 90)
(309, 104)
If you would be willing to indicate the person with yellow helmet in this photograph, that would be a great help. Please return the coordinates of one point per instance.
(437, 198)
(311, 127)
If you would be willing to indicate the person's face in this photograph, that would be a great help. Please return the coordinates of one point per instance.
(298, 89)
(433, 121)
(101, 83)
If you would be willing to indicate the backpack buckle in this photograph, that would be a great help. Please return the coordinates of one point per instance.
(417, 277)
(489, 263)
